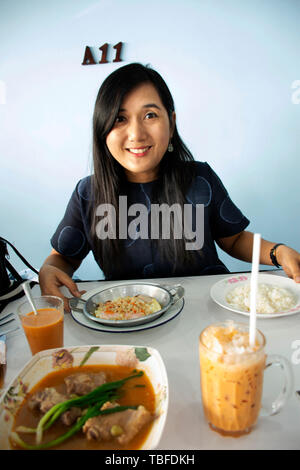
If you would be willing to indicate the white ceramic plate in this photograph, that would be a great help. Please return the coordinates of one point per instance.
(166, 317)
(138, 357)
(220, 290)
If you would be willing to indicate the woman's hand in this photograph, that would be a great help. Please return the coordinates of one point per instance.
(52, 278)
(240, 246)
(289, 259)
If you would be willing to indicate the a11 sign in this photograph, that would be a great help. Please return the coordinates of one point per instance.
(89, 58)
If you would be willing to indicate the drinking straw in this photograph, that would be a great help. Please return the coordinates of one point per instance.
(253, 287)
(27, 290)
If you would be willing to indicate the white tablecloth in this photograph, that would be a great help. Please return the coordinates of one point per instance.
(177, 342)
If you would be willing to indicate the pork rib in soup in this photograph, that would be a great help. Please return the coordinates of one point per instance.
(121, 423)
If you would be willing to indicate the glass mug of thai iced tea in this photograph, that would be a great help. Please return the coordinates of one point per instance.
(232, 374)
(46, 329)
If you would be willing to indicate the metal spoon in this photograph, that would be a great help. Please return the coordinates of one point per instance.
(27, 290)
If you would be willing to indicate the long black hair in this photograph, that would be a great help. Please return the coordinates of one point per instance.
(109, 180)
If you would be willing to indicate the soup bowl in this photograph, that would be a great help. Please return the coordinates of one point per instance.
(138, 357)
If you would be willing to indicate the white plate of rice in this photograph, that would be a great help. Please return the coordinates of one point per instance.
(277, 296)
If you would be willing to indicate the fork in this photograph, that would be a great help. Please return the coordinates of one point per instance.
(7, 320)
(6, 317)
(10, 330)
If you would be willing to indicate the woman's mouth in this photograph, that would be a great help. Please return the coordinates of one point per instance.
(139, 151)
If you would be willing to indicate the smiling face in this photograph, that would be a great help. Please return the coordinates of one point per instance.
(141, 134)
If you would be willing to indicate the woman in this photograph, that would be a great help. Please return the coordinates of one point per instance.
(145, 188)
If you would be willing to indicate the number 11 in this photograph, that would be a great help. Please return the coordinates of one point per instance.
(104, 50)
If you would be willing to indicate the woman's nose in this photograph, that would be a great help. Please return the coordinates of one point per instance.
(136, 131)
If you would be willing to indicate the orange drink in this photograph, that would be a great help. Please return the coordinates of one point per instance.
(231, 377)
(232, 374)
(46, 329)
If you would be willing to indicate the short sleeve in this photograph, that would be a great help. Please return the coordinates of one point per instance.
(226, 218)
(70, 238)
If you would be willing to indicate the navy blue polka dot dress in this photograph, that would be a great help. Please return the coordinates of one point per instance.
(140, 258)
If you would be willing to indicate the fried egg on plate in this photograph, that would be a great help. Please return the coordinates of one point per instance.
(127, 308)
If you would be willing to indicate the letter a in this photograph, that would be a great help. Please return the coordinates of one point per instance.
(88, 57)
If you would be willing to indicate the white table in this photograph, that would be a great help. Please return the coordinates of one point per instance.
(177, 342)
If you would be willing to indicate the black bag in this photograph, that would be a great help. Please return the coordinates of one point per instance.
(10, 279)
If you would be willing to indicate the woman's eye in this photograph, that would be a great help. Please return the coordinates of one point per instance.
(119, 119)
(150, 115)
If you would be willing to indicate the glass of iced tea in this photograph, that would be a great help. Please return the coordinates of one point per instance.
(232, 375)
(46, 329)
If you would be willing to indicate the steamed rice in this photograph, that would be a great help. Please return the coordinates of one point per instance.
(270, 299)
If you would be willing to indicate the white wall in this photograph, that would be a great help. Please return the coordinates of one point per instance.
(230, 65)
